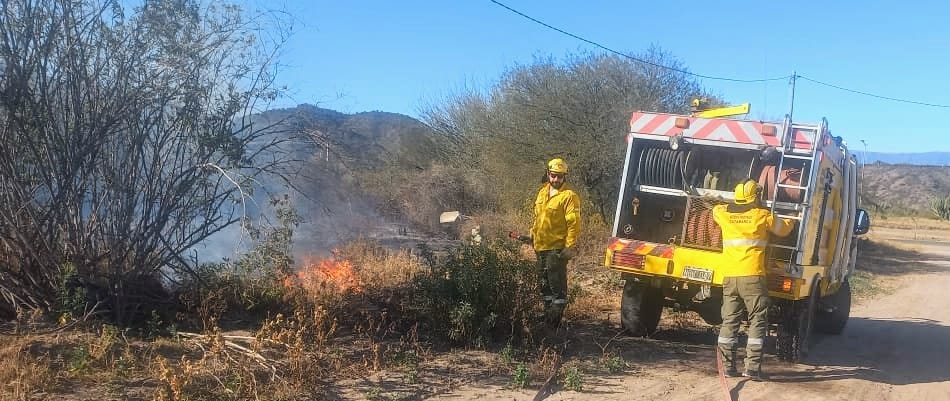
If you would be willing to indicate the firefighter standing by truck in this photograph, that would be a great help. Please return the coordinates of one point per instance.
(745, 233)
(557, 224)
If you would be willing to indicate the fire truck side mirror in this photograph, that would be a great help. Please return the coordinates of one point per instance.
(862, 222)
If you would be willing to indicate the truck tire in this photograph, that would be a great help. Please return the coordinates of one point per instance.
(795, 332)
(833, 322)
(640, 308)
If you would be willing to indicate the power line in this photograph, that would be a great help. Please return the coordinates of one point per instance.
(639, 60)
(894, 99)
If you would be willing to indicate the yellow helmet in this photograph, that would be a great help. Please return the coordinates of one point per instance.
(557, 166)
(747, 192)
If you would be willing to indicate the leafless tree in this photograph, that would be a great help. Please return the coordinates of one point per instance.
(126, 141)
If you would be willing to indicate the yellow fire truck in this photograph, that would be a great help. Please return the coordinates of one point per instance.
(668, 248)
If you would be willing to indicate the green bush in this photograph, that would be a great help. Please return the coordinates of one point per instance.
(941, 207)
(70, 295)
(521, 377)
(476, 294)
(573, 380)
(252, 284)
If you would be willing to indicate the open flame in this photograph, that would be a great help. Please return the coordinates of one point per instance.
(334, 271)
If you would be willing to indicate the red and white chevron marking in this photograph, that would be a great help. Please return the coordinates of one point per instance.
(721, 129)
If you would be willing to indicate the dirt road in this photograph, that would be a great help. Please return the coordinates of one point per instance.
(895, 347)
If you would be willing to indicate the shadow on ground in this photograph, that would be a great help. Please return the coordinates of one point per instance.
(881, 258)
(883, 351)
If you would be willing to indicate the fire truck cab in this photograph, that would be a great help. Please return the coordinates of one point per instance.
(668, 247)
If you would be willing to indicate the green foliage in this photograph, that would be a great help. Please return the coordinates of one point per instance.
(507, 354)
(577, 108)
(153, 326)
(79, 359)
(478, 293)
(70, 295)
(252, 284)
(409, 362)
(941, 207)
(521, 377)
(613, 363)
(573, 380)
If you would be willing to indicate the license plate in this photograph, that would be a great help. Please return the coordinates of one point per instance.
(698, 274)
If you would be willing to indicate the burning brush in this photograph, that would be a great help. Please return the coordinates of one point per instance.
(334, 272)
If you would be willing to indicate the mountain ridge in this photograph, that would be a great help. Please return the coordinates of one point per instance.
(911, 158)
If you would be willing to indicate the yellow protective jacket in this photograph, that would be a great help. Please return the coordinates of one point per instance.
(745, 234)
(557, 219)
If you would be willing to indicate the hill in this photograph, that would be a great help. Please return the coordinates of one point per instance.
(903, 189)
(920, 159)
(337, 203)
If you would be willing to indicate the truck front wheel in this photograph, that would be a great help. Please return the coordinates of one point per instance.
(640, 308)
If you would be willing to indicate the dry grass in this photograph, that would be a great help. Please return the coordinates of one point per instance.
(912, 223)
(379, 268)
(21, 373)
(594, 296)
(332, 333)
(332, 336)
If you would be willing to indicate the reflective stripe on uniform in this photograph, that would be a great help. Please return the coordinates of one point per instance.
(549, 298)
(744, 242)
(559, 301)
(727, 340)
(754, 341)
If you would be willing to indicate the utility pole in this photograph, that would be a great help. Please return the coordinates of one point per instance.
(864, 163)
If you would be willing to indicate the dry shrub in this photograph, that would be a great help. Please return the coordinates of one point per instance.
(221, 369)
(912, 223)
(22, 373)
(680, 320)
(594, 296)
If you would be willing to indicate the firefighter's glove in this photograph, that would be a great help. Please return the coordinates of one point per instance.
(525, 238)
(567, 253)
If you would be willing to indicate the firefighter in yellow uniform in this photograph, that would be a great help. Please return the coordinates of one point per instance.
(745, 233)
(557, 224)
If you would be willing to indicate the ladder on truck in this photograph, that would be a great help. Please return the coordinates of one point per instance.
(808, 155)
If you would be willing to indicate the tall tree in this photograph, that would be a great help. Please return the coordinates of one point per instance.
(126, 141)
(578, 109)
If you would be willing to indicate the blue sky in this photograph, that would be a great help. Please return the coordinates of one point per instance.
(396, 56)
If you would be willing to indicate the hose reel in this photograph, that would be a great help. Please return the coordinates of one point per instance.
(662, 167)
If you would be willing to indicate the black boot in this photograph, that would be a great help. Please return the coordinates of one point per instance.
(756, 375)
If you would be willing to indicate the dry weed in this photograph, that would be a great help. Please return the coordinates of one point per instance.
(912, 223)
(22, 373)
(679, 320)
(378, 267)
(594, 296)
